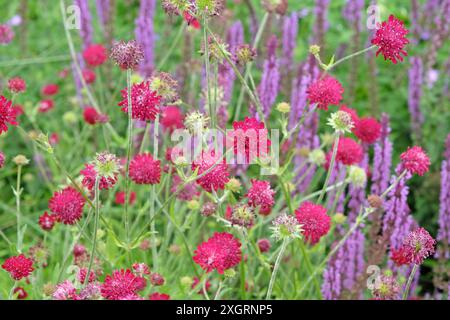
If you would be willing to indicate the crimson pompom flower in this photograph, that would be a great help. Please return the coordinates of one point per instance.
(18, 110)
(7, 114)
(144, 102)
(50, 89)
(82, 273)
(158, 296)
(144, 169)
(46, 105)
(6, 34)
(264, 245)
(90, 174)
(220, 252)
(120, 197)
(191, 20)
(47, 221)
(325, 92)
(249, 137)
(88, 76)
(368, 130)
(156, 279)
(314, 221)
(2, 159)
(120, 284)
(390, 38)
(261, 194)
(416, 247)
(127, 55)
(90, 115)
(65, 291)
(18, 266)
(21, 293)
(349, 152)
(67, 205)
(172, 118)
(217, 175)
(95, 55)
(17, 85)
(388, 288)
(415, 160)
(141, 269)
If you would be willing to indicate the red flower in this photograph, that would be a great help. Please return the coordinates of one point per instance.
(221, 252)
(325, 92)
(127, 55)
(144, 169)
(53, 139)
(314, 221)
(172, 118)
(18, 266)
(7, 114)
(82, 273)
(95, 55)
(217, 177)
(158, 296)
(188, 192)
(141, 269)
(18, 110)
(88, 76)
(391, 39)
(248, 138)
(67, 205)
(352, 112)
(120, 197)
(417, 246)
(349, 152)
(260, 194)
(2, 159)
(399, 257)
(17, 85)
(46, 105)
(191, 21)
(50, 89)
(156, 279)
(368, 130)
(47, 221)
(264, 245)
(21, 293)
(415, 160)
(120, 284)
(90, 115)
(143, 100)
(89, 175)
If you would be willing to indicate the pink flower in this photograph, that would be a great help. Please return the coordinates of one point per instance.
(90, 115)
(6, 34)
(65, 291)
(95, 55)
(314, 221)
(120, 284)
(415, 160)
(391, 39)
(264, 245)
(217, 177)
(144, 169)
(120, 197)
(221, 252)
(67, 205)
(349, 152)
(17, 85)
(46, 105)
(47, 221)
(368, 130)
(156, 279)
(141, 269)
(158, 296)
(82, 274)
(416, 247)
(21, 293)
(18, 266)
(172, 118)
(260, 194)
(88, 76)
(2, 159)
(144, 102)
(50, 89)
(89, 175)
(7, 114)
(127, 55)
(325, 92)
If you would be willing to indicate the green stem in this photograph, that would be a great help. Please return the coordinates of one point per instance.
(328, 68)
(96, 219)
(410, 280)
(330, 168)
(18, 193)
(310, 268)
(153, 198)
(276, 267)
(129, 146)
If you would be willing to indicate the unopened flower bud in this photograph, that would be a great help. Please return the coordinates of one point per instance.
(20, 160)
(233, 185)
(375, 201)
(339, 218)
(283, 107)
(357, 176)
(317, 157)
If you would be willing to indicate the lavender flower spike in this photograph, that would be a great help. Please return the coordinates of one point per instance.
(86, 31)
(415, 75)
(145, 35)
(443, 235)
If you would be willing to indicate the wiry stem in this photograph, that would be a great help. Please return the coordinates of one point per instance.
(276, 267)
(96, 219)
(129, 146)
(410, 280)
(330, 169)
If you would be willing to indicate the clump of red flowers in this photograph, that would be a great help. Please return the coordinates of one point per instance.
(89, 175)
(261, 195)
(7, 114)
(220, 252)
(368, 130)
(88, 76)
(95, 55)
(50, 89)
(21, 293)
(144, 101)
(215, 178)
(120, 284)
(325, 92)
(314, 221)
(17, 85)
(47, 221)
(67, 205)
(390, 38)
(18, 266)
(144, 169)
(127, 55)
(415, 160)
(416, 247)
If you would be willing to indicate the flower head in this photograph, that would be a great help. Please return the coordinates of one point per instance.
(244, 54)
(220, 252)
(120, 284)
(6, 34)
(261, 195)
(416, 247)
(165, 86)
(46, 105)
(127, 55)
(17, 85)
(144, 169)
(388, 288)
(7, 114)
(18, 266)
(390, 38)
(325, 92)
(341, 121)
(286, 227)
(210, 7)
(65, 291)
(357, 176)
(172, 118)
(368, 130)
(241, 215)
(144, 102)
(317, 157)
(90, 115)
(196, 121)
(120, 197)
(67, 205)
(264, 245)
(20, 293)
(217, 175)
(349, 152)
(2, 159)
(50, 89)
(89, 76)
(47, 221)
(105, 167)
(415, 160)
(95, 55)
(158, 296)
(314, 221)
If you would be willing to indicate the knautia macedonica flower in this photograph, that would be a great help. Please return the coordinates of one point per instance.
(210, 7)
(50, 89)
(47, 221)
(286, 226)
(196, 122)
(95, 55)
(349, 152)
(105, 167)
(144, 169)
(357, 176)
(2, 159)
(390, 38)
(65, 291)
(220, 252)
(172, 118)
(175, 7)
(325, 92)
(241, 215)
(317, 157)
(217, 49)
(261, 195)
(217, 175)
(244, 54)
(158, 296)
(208, 209)
(387, 289)
(18, 266)
(145, 102)
(416, 247)
(314, 221)
(120, 284)
(6, 34)
(415, 160)
(341, 122)
(368, 130)
(67, 205)
(17, 85)
(264, 245)
(20, 293)
(7, 114)
(127, 55)
(165, 86)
